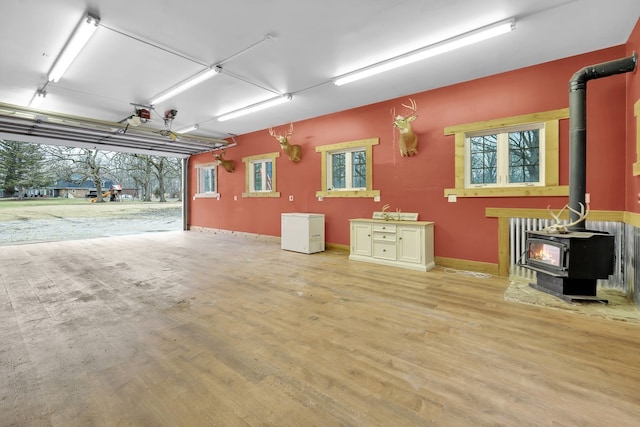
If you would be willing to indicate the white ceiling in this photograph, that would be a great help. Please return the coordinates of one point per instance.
(143, 47)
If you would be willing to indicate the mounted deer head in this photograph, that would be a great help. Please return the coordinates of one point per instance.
(408, 138)
(564, 228)
(228, 165)
(293, 151)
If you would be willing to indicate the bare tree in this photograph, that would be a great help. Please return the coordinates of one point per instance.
(137, 169)
(81, 164)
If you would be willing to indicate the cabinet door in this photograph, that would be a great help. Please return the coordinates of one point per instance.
(410, 244)
(361, 239)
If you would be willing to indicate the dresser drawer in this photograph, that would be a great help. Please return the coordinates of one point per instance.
(384, 237)
(384, 250)
(385, 228)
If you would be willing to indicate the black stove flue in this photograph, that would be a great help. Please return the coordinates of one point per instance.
(578, 127)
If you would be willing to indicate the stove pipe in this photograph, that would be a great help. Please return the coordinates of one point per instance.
(578, 126)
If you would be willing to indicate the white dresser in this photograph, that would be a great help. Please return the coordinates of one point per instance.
(406, 244)
(302, 232)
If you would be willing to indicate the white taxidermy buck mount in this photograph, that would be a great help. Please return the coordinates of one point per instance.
(293, 151)
(408, 139)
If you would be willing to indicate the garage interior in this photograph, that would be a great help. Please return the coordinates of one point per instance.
(223, 328)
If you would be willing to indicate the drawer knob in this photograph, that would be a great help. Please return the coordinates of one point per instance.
(384, 237)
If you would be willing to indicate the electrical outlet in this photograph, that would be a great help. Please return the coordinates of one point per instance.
(291, 198)
(235, 197)
(320, 198)
(452, 198)
(587, 198)
(376, 198)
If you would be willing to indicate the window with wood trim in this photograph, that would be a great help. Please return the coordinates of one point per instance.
(260, 178)
(505, 157)
(508, 157)
(207, 180)
(347, 169)
(636, 113)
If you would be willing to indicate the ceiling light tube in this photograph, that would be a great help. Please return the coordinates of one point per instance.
(255, 107)
(188, 129)
(186, 84)
(447, 45)
(38, 99)
(81, 35)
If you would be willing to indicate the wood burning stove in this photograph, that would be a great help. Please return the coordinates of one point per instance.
(568, 265)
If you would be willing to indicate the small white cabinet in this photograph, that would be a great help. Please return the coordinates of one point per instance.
(406, 244)
(302, 232)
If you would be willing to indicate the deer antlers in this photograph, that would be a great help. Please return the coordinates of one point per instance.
(564, 228)
(282, 139)
(386, 216)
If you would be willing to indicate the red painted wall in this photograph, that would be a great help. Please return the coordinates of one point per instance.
(417, 184)
(633, 95)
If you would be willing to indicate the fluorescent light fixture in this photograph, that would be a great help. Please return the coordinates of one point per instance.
(188, 129)
(38, 99)
(186, 84)
(255, 107)
(447, 45)
(81, 35)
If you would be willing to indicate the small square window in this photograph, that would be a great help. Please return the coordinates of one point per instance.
(207, 180)
(261, 175)
(347, 169)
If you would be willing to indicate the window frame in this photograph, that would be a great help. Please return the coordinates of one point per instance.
(326, 151)
(502, 154)
(250, 161)
(348, 167)
(551, 187)
(636, 113)
(200, 169)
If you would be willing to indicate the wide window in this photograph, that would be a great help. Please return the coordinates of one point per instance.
(505, 158)
(347, 169)
(207, 180)
(508, 157)
(261, 175)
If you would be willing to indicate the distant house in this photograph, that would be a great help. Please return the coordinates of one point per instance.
(63, 188)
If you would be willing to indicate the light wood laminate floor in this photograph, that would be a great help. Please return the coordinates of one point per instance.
(204, 329)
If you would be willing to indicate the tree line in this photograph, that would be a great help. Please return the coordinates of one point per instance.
(26, 165)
